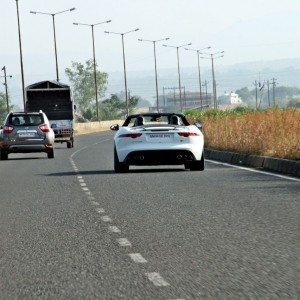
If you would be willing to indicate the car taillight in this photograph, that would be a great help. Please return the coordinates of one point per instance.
(45, 128)
(130, 135)
(8, 129)
(187, 134)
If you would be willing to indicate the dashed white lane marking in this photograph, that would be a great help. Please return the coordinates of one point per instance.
(253, 170)
(88, 193)
(85, 189)
(114, 229)
(156, 279)
(91, 198)
(81, 180)
(100, 210)
(79, 177)
(83, 184)
(94, 202)
(106, 219)
(123, 242)
(137, 258)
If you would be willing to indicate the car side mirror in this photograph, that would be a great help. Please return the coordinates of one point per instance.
(114, 127)
(198, 125)
(1, 127)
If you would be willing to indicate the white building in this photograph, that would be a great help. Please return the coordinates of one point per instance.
(233, 98)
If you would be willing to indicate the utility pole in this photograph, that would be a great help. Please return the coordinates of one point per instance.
(21, 55)
(164, 96)
(5, 84)
(205, 85)
(268, 85)
(256, 94)
(184, 97)
(274, 85)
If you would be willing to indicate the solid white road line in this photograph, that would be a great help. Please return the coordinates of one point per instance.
(79, 177)
(123, 242)
(114, 229)
(83, 184)
(137, 258)
(253, 170)
(156, 279)
(106, 219)
(81, 180)
(85, 189)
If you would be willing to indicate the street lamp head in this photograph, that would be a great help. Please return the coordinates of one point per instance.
(33, 12)
(73, 8)
(165, 45)
(75, 24)
(189, 44)
(108, 21)
(140, 40)
(106, 32)
(137, 29)
(167, 38)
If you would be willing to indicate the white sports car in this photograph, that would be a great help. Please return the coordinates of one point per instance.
(158, 139)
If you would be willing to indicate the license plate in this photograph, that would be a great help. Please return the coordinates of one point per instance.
(26, 134)
(160, 137)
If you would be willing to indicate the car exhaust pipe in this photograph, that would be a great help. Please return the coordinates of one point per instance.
(179, 156)
(141, 157)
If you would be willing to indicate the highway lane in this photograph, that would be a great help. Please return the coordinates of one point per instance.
(71, 228)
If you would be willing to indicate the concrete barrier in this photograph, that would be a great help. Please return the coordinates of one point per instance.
(284, 166)
(91, 127)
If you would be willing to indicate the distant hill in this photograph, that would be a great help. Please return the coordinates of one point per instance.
(229, 78)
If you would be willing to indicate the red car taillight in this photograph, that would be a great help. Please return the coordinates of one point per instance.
(130, 135)
(45, 128)
(187, 134)
(8, 129)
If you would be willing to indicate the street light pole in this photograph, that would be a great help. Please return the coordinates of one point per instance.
(54, 33)
(5, 83)
(124, 62)
(94, 59)
(125, 76)
(21, 56)
(214, 86)
(55, 48)
(198, 51)
(178, 69)
(155, 66)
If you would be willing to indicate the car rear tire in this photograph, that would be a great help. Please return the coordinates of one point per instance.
(69, 144)
(119, 167)
(3, 155)
(50, 154)
(198, 165)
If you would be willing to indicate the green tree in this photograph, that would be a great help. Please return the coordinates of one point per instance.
(115, 108)
(3, 107)
(82, 80)
(244, 93)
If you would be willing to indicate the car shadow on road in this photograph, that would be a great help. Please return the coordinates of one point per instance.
(26, 158)
(110, 172)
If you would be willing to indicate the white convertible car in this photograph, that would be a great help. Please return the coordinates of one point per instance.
(158, 139)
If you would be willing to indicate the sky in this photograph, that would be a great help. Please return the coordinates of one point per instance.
(247, 30)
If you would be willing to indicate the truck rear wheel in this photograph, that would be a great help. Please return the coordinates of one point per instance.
(3, 155)
(69, 145)
(50, 153)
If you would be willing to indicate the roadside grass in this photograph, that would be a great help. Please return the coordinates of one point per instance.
(273, 132)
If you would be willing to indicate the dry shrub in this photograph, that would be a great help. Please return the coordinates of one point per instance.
(273, 132)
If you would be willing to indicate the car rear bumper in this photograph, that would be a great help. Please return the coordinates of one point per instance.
(161, 150)
(159, 157)
(28, 148)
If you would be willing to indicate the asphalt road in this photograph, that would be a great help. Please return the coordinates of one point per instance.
(70, 228)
